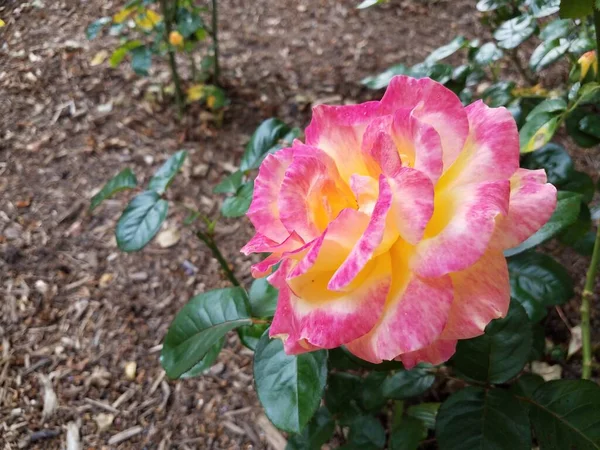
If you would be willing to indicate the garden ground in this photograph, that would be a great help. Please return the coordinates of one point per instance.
(75, 313)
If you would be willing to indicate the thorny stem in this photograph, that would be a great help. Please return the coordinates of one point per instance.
(515, 59)
(212, 245)
(215, 37)
(172, 62)
(586, 300)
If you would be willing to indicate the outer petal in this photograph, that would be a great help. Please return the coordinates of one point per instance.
(412, 320)
(367, 244)
(438, 352)
(419, 144)
(433, 104)
(532, 202)
(491, 151)
(291, 246)
(413, 202)
(338, 131)
(328, 319)
(461, 228)
(481, 294)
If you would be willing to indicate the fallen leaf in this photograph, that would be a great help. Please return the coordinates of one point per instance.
(576, 341)
(105, 280)
(99, 58)
(546, 371)
(168, 237)
(104, 421)
(130, 369)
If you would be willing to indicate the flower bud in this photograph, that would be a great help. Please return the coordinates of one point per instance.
(175, 38)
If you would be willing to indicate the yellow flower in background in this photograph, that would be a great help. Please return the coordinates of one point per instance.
(588, 60)
(195, 92)
(175, 38)
(147, 19)
(122, 15)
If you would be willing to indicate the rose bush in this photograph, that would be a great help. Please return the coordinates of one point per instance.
(389, 224)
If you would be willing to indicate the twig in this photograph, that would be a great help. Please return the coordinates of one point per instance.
(586, 300)
(212, 245)
(172, 62)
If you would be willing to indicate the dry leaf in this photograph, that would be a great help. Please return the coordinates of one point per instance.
(168, 237)
(576, 341)
(99, 58)
(104, 421)
(105, 280)
(546, 371)
(130, 369)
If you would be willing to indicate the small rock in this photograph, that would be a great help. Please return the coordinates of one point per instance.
(138, 276)
(104, 421)
(217, 369)
(41, 286)
(200, 170)
(105, 280)
(130, 369)
(168, 237)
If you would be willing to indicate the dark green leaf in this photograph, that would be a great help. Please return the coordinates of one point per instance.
(538, 281)
(515, 31)
(487, 54)
(141, 60)
(339, 360)
(120, 52)
(263, 298)
(489, 419)
(140, 221)
(342, 394)
(573, 124)
(581, 183)
(267, 135)
(442, 73)
(94, 28)
(590, 124)
(383, 79)
(490, 5)
(543, 8)
(125, 179)
(371, 395)
(500, 353)
(556, 29)
(238, 204)
(565, 415)
(526, 385)
(408, 383)
(318, 431)
(200, 325)
(366, 433)
(250, 335)
(538, 345)
(498, 94)
(407, 435)
(229, 184)
(164, 176)
(576, 9)
(188, 22)
(554, 159)
(566, 213)
(288, 386)
(425, 412)
(548, 52)
(537, 131)
(550, 105)
(446, 50)
(205, 363)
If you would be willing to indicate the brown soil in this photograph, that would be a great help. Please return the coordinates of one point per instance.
(74, 310)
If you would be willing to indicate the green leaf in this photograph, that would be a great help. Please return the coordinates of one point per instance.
(318, 431)
(538, 346)
(547, 53)
(383, 79)
(490, 419)
(188, 22)
(537, 131)
(446, 50)
(565, 415)
(366, 433)
(368, 3)
(573, 124)
(515, 31)
(566, 213)
(543, 8)
(164, 176)
(576, 9)
(500, 353)
(408, 383)
(581, 183)
(200, 325)
(554, 159)
(590, 125)
(442, 73)
(526, 385)
(94, 28)
(205, 363)
(141, 60)
(238, 204)
(288, 386)
(580, 235)
(490, 5)
(371, 395)
(342, 393)
(407, 435)
(125, 179)
(487, 54)
(140, 221)
(263, 298)
(556, 29)
(425, 412)
(581, 45)
(538, 281)
(229, 184)
(120, 52)
(550, 105)
(250, 335)
(498, 94)
(265, 138)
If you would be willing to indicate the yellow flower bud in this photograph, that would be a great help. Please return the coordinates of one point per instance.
(175, 38)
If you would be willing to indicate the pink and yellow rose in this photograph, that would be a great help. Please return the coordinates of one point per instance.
(389, 224)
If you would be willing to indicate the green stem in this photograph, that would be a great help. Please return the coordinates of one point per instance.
(524, 73)
(212, 245)
(597, 26)
(193, 66)
(215, 37)
(172, 61)
(586, 302)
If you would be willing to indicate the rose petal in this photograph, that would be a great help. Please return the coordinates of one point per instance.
(380, 149)
(460, 230)
(434, 105)
(438, 352)
(532, 202)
